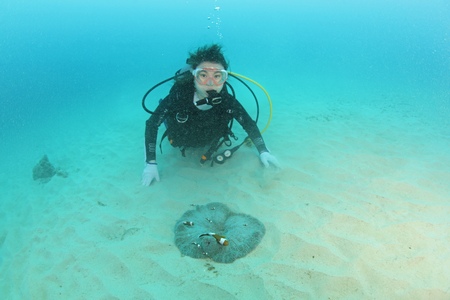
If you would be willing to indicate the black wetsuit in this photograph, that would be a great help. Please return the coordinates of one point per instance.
(188, 126)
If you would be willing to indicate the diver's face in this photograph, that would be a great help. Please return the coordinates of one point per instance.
(209, 76)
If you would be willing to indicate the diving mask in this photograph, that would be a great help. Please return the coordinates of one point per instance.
(205, 76)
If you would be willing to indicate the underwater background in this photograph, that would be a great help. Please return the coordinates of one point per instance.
(55, 56)
(361, 104)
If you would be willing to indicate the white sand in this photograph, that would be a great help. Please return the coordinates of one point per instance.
(360, 210)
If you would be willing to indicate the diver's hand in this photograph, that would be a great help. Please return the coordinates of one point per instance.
(267, 159)
(150, 173)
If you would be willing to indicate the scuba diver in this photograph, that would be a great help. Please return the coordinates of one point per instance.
(199, 112)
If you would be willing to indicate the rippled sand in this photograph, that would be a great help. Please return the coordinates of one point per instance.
(360, 210)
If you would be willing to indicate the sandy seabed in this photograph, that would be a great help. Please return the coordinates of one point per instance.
(359, 210)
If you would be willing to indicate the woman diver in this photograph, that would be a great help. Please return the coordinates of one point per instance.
(199, 112)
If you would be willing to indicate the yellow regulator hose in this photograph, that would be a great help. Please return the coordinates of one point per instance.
(265, 92)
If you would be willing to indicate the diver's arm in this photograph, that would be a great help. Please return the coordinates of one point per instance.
(241, 115)
(150, 172)
(151, 130)
(249, 125)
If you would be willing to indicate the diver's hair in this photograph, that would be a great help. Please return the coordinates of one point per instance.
(212, 53)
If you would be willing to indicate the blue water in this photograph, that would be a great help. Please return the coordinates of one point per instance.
(55, 57)
(69, 69)
(54, 53)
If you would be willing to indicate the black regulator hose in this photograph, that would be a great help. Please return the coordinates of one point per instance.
(251, 91)
(178, 74)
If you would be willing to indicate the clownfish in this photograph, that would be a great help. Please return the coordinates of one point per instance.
(219, 238)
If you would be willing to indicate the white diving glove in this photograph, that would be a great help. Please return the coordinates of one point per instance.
(267, 158)
(150, 173)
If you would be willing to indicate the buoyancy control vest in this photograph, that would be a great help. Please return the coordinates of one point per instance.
(213, 129)
(188, 126)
